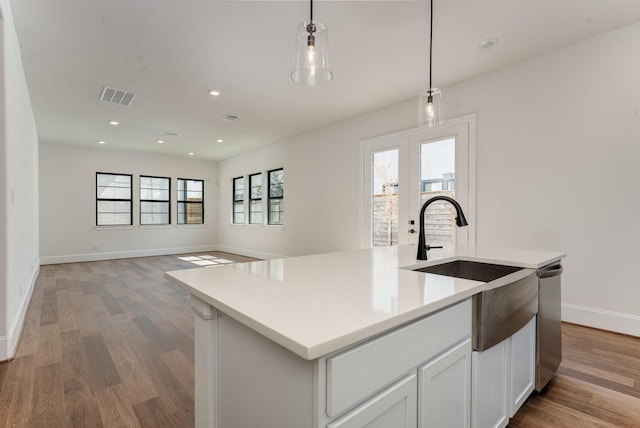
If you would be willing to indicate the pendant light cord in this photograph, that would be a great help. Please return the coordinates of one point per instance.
(430, 43)
(311, 11)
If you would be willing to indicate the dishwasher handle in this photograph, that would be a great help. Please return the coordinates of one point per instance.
(550, 271)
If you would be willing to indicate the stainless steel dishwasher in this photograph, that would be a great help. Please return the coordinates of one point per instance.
(549, 339)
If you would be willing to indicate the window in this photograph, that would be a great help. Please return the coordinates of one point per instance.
(113, 199)
(276, 197)
(255, 198)
(155, 201)
(190, 201)
(238, 200)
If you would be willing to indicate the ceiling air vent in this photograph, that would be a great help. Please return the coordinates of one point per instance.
(116, 96)
(229, 118)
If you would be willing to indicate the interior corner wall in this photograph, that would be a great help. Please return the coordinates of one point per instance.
(19, 219)
(321, 191)
(68, 231)
(557, 169)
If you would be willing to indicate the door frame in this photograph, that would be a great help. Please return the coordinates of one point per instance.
(388, 142)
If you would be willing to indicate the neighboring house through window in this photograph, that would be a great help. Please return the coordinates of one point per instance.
(190, 201)
(113, 199)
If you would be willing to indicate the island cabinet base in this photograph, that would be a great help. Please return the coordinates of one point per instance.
(244, 379)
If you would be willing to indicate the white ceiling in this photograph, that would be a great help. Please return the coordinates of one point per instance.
(172, 52)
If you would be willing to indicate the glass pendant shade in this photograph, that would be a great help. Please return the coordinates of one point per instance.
(311, 64)
(430, 108)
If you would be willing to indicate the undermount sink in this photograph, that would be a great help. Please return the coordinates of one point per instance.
(475, 271)
(508, 302)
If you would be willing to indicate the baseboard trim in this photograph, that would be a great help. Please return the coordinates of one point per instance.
(9, 343)
(249, 253)
(92, 257)
(599, 318)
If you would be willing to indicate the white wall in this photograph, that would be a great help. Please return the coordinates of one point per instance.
(320, 187)
(19, 264)
(68, 208)
(558, 168)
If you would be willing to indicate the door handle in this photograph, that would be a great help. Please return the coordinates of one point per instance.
(413, 231)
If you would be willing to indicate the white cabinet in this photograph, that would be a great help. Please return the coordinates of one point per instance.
(394, 407)
(444, 391)
(489, 387)
(522, 362)
(502, 378)
(415, 376)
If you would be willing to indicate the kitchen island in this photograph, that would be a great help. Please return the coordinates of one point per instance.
(331, 339)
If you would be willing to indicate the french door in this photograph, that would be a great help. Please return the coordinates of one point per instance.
(402, 171)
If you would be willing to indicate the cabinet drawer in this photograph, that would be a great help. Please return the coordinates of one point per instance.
(357, 373)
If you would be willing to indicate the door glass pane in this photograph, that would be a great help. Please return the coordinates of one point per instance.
(437, 177)
(384, 206)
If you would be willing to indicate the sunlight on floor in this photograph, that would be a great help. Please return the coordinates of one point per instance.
(206, 260)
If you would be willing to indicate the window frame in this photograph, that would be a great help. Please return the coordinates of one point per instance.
(252, 199)
(130, 199)
(167, 201)
(238, 201)
(186, 202)
(271, 198)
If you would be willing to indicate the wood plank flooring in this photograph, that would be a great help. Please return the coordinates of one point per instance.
(110, 344)
(597, 384)
(105, 344)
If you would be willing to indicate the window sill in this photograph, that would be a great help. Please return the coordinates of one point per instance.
(258, 226)
(114, 227)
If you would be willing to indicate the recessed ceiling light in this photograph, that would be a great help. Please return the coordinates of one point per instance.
(101, 142)
(160, 141)
(488, 43)
(114, 122)
(214, 92)
(191, 153)
(220, 140)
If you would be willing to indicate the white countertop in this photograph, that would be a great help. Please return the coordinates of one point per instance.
(315, 305)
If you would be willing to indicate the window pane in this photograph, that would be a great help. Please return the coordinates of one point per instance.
(255, 212)
(193, 213)
(238, 212)
(276, 211)
(255, 182)
(276, 195)
(238, 189)
(384, 206)
(190, 201)
(437, 178)
(276, 183)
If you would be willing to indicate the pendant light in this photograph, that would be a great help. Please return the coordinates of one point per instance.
(430, 107)
(311, 67)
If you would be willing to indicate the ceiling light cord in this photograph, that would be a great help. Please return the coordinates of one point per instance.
(430, 105)
(430, 42)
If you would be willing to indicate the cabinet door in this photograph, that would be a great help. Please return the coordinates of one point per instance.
(489, 387)
(395, 407)
(522, 366)
(444, 389)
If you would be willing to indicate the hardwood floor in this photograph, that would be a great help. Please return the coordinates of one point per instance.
(105, 344)
(110, 344)
(597, 384)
